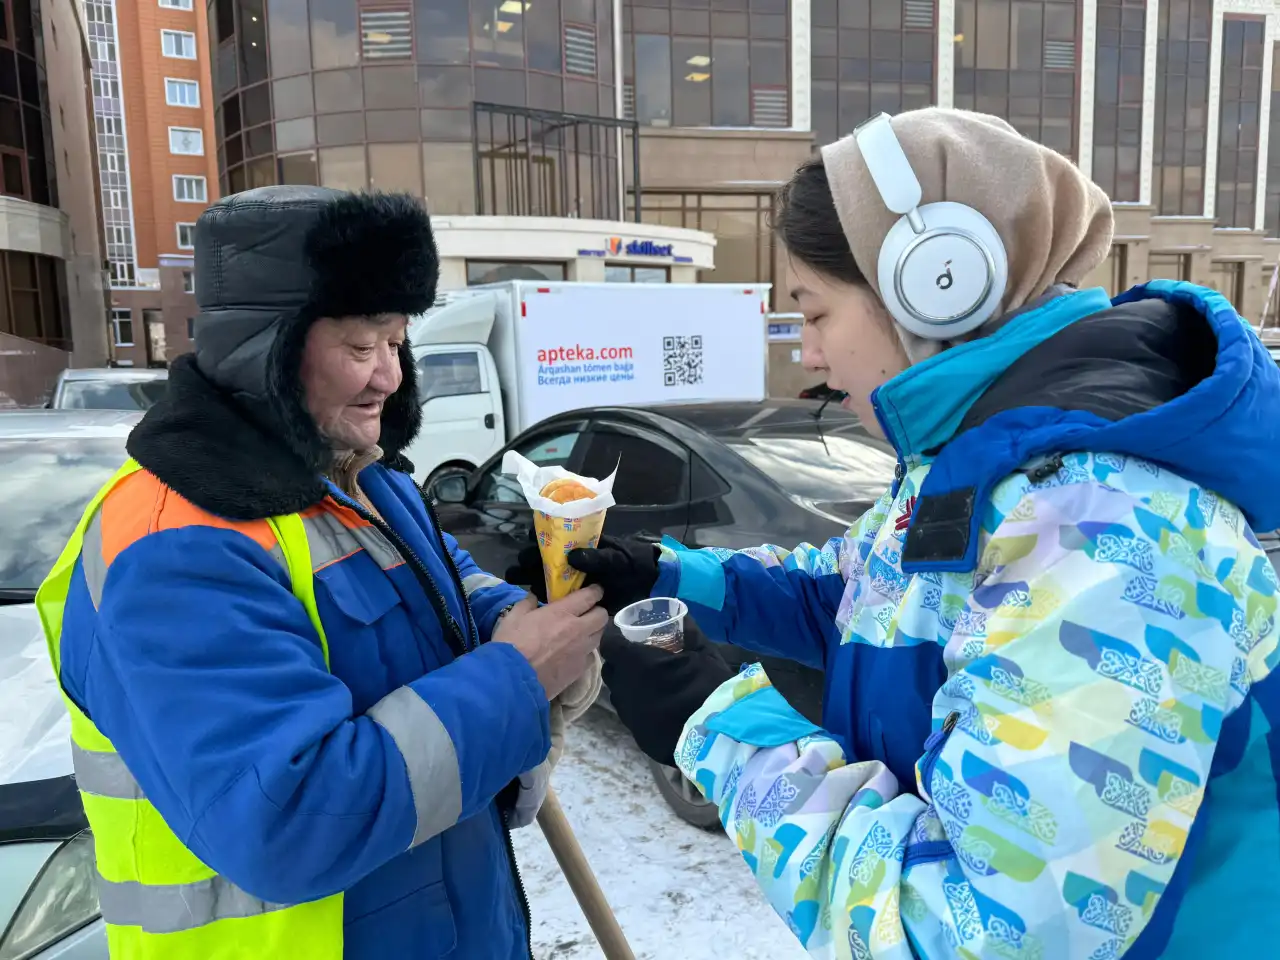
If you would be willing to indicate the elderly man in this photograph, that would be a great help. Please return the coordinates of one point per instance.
(290, 732)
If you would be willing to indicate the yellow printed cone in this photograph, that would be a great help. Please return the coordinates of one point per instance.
(557, 537)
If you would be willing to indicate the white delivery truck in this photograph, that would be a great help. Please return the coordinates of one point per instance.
(494, 360)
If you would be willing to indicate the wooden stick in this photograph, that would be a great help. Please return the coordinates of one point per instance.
(582, 881)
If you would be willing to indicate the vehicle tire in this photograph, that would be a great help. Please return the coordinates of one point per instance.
(440, 473)
(683, 797)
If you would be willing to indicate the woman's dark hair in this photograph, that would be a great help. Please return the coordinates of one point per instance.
(805, 220)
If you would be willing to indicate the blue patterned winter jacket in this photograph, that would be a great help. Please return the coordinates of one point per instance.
(1051, 706)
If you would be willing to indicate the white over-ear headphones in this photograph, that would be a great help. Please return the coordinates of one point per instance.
(943, 267)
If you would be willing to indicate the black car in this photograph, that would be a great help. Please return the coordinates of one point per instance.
(709, 475)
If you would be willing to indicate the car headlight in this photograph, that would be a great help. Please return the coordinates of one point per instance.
(62, 899)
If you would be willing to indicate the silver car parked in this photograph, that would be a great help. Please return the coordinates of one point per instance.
(51, 464)
(108, 388)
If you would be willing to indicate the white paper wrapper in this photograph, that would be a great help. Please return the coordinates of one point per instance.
(534, 478)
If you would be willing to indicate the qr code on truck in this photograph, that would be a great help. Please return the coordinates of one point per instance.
(681, 361)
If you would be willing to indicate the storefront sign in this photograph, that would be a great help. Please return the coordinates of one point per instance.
(638, 248)
(784, 331)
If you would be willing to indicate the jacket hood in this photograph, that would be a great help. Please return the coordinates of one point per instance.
(268, 264)
(1169, 373)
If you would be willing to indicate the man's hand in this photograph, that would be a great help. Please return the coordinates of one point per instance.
(625, 569)
(557, 639)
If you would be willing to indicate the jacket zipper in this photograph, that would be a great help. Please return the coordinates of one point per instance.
(521, 895)
(900, 469)
(474, 629)
(456, 634)
(933, 748)
(519, 882)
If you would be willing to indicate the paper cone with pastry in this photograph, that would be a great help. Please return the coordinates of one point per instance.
(568, 513)
(558, 536)
(566, 490)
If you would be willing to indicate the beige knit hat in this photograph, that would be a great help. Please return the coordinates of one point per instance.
(1056, 224)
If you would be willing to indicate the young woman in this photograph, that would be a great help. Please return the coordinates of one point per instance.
(1049, 648)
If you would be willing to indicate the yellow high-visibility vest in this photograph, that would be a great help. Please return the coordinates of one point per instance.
(159, 901)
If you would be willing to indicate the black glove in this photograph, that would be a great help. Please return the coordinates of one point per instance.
(626, 569)
(655, 692)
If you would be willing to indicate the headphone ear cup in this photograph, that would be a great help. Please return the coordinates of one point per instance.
(948, 280)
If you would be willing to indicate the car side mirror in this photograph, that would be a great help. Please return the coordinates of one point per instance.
(450, 490)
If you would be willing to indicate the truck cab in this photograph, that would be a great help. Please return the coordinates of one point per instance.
(463, 423)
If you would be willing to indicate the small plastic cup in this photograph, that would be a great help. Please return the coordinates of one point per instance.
(656, 622)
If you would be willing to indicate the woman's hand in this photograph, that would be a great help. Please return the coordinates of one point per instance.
(654, 692)
(625, 569)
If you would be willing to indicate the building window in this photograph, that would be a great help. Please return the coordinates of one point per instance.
(1169, 266)
(176, 4)
(32, 296)
(1182, 107)
(191, 328)
(186, 236)
(181, 93)
(580, 49)
(122, 326)
(178, 44)
(492, 271)
(386, 34)
(106, 88)
(1019, 61)
(688, 68)
(1238, 121)
(123, 273)
(186, 141)
(188, 281)
(1227, 277)
(189, 189)
(622, 273)
(746, 250)
(1117, 104)
(868, 58)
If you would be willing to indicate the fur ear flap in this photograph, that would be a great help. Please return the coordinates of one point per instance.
(401, 415)
(372, 253)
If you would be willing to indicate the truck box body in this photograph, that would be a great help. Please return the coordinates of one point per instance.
(495, 360)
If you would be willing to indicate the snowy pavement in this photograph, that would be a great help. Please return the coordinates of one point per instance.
(680, 893)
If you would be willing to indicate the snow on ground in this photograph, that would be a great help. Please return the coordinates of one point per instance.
(680, 893)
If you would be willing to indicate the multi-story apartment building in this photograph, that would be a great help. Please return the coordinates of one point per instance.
(52, 302)
(152, 94)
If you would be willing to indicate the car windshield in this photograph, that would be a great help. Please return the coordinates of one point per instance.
(46, 485)
(122, 394)
(841, 470)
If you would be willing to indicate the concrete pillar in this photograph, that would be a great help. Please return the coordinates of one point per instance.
(1088, 57)
(453, 274)
(801, 66)
(1215, 105)
(1264, 129)
(586, 270)
(1151, 39)
(945, 90)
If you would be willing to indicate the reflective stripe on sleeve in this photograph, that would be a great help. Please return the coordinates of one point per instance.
(92, 561)
(429, 756)
(174, 907)
(103, 774)
(480, 581)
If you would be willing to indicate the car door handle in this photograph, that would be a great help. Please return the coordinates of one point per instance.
(488, 421)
